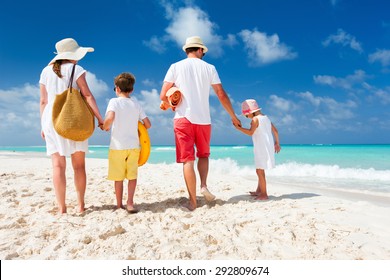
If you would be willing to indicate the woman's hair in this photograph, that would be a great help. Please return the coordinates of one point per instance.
(125, 82)
(57, 68)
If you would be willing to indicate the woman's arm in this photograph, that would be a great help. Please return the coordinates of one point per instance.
(86, 92)
(42, 103)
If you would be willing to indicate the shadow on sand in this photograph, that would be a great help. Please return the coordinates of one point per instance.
(176, 203)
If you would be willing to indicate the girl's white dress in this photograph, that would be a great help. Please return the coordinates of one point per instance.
(263, 144)
(55, 85)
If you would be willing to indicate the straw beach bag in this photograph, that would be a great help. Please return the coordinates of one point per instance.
(72, 117)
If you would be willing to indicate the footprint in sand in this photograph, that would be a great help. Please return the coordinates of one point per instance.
(116, 231)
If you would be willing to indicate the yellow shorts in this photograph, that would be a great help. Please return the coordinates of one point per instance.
(123, 164)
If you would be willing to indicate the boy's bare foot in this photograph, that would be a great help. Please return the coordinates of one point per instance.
(262, 197)
(207, 195)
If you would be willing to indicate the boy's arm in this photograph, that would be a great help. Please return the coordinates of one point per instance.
(108, 120)
(251, 130)
(147, 122)
(276, 138)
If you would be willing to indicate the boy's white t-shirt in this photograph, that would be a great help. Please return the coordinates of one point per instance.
(194, 78)
(124, 129)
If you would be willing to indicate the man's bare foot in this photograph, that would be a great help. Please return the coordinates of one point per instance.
(207, 195)
(188, 206)
(262, 197)
(254, 193)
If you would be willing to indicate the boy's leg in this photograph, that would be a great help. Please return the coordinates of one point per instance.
(131, 191)
(119, 193)
(262, 185)
(59, 181)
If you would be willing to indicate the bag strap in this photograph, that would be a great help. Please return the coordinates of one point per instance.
(71, 78)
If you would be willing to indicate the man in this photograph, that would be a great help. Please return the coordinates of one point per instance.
(192, 122)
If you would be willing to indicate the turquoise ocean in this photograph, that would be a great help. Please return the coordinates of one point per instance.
(356, 168)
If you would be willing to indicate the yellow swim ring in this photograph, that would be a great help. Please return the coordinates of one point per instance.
(144, 142)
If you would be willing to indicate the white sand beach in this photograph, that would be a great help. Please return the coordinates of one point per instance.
(294, 224)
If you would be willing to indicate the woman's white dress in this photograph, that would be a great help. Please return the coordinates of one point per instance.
(55, 85)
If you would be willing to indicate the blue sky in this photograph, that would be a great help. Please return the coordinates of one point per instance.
(320, 69)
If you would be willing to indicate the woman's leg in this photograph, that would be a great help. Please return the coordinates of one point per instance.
(59, 180)
(80, 178)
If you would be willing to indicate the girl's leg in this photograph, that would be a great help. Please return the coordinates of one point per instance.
(80, 178)
(59, 180)
(262, 185)
(119, 194)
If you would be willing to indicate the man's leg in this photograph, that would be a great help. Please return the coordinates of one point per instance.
(190, 179)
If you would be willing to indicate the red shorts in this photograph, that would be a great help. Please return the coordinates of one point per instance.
(187, 135)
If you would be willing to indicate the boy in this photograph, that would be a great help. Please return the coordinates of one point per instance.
(122, 116)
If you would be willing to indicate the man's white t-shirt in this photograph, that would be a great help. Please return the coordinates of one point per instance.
(124, 129)
(194, 78)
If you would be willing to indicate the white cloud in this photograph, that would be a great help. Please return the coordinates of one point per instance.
(329, 107)
(149, 83)
(264, 49)
(98, 87)
(190, 21)
(344, 39)
(383, 95)
(19, 108)
(358, 77)
(281, 104)
(150, 101)
(156, 44)
(381, 56)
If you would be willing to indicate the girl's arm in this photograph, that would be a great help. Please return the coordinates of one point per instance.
(276, 138)
(251, 130)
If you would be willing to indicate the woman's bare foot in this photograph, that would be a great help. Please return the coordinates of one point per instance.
(262, 197)
(61, 210)
(120, 207)
(131, 209)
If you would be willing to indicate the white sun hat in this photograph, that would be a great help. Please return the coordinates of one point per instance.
(195, 42)
(69, 49)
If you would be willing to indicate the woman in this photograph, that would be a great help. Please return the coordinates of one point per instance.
(54, 80)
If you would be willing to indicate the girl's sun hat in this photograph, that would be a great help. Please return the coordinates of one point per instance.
(249, 106)
(69, 49)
